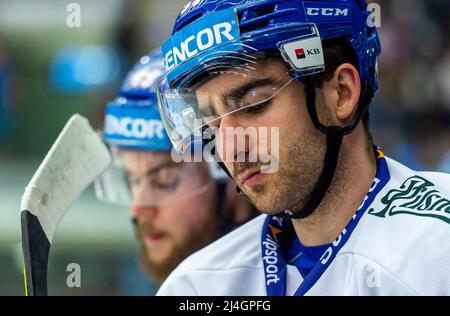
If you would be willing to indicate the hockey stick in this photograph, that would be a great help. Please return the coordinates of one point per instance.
(76, 158)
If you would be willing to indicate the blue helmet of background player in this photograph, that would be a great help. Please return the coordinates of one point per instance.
(133, 124)
(211, 37)
(132, 120)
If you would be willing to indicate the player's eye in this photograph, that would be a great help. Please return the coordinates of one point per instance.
(167, 179)
(260, 108)
(167, 185)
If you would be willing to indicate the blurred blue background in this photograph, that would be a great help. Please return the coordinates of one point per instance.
(49, 71)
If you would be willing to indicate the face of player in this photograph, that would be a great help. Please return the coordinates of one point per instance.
(301, 146)
(174, 209)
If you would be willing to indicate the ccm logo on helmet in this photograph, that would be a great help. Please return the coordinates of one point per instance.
(194, 44)
(327, 12)
(134, 128)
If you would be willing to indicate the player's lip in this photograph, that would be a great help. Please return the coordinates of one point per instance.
(251, 178)
(152, 239)
(150, 235)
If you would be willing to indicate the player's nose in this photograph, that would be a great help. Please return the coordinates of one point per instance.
(233, 139)
(148, 212)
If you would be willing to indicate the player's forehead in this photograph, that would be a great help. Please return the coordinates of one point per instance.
(136, 160)
(230, 78)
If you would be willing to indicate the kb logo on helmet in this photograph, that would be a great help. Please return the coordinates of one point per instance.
(302, 53)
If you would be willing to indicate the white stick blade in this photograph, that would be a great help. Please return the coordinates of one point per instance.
(76, 158)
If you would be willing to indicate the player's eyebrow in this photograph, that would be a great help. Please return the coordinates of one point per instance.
(162, 166)
(241, 91)
(235, 94)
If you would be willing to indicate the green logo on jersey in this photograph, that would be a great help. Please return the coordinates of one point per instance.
(416, 196)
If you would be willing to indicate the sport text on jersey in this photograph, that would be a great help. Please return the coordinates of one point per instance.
(270, 258)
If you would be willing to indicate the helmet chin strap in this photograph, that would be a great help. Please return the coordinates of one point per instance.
(335, 135)
(334, 141)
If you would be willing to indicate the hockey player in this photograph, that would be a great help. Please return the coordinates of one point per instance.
(177, 208)
(341, 218)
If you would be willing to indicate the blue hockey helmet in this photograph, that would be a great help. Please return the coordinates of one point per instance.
(211, 35)
(132, 120)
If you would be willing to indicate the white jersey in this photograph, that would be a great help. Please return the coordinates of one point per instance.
(399, 245)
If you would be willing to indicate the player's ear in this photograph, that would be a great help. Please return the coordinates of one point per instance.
(348, 86)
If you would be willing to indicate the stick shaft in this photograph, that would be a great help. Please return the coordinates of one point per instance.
(36, 248)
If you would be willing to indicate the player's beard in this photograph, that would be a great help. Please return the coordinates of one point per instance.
(159, 271)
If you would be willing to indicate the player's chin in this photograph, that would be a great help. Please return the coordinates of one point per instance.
(271, 209)
(272, 200)
(268, 202)
(155, 270)
(159, 255)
